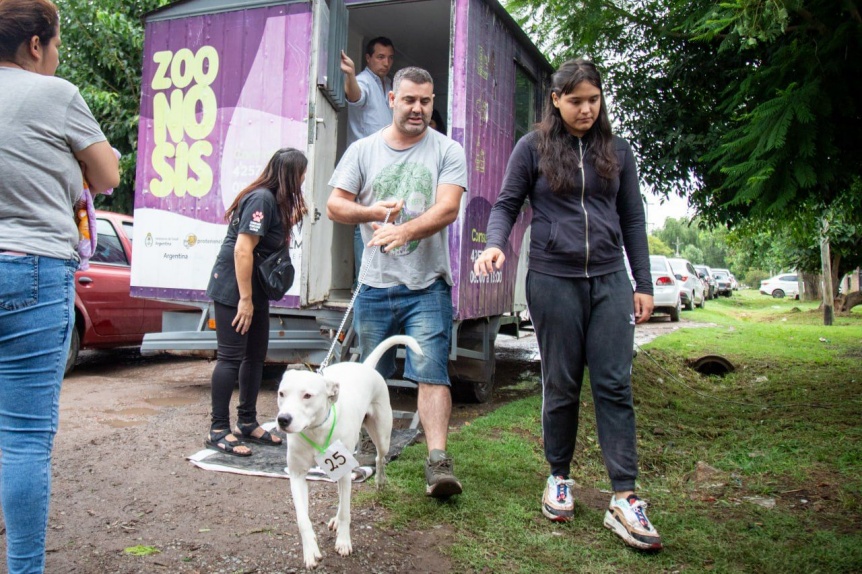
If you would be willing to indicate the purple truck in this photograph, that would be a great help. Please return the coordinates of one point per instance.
(227, 82)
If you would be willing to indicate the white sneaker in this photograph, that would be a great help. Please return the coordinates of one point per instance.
(627, 519)
(557, 502)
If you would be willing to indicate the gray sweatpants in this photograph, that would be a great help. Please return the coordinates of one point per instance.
(581, 322)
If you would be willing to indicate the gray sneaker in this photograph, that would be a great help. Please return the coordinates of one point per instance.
(439, 476)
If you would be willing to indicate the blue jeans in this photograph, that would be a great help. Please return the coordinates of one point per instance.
(424, 314)
(37, 314)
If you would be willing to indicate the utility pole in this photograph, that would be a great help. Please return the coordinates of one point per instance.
(646, 212)
(677, 246)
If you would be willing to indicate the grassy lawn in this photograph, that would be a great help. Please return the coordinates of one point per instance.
(781, 436)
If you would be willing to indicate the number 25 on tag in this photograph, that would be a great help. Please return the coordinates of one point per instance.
(336, 461)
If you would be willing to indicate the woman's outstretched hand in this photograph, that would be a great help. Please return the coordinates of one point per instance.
(489, 260)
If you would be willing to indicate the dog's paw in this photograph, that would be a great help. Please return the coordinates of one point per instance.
(311, 556)
(333, 523)
(343, 547)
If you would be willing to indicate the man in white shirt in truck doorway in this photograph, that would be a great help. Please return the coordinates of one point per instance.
(368, 108)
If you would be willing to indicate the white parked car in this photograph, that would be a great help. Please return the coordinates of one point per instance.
(691, 287)
(665, 287)
(783, 284)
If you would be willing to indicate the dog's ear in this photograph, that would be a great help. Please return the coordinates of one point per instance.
(332, 388)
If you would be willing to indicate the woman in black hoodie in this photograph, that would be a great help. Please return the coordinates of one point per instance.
(582, 184)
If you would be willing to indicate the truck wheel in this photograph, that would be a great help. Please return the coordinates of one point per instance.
(74, 347)
(473, 379)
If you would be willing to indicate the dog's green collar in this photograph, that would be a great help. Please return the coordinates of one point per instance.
(317, 447)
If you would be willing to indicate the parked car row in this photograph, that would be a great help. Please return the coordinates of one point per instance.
(691, 288)
(676, 284)
(705, 274)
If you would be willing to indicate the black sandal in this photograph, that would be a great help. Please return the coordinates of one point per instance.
(245, 430)
(220, 443)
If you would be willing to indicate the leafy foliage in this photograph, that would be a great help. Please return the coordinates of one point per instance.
(750, 107)
(658, 247)
(696, 243)
(102, 55)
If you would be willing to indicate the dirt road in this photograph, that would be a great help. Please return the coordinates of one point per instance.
(121, 478)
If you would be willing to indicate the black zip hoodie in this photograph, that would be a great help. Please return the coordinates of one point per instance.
(581, 234)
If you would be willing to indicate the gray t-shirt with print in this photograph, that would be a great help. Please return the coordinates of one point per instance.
(376, 172)
(43, 121)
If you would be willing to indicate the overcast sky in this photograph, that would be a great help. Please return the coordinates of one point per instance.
(657, 212)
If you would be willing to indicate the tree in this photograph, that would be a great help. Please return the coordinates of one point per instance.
(706, 246)
(755, 107)
(102, 55)
(794, 242)
(677, 233)
(692, 253)
(658, 247)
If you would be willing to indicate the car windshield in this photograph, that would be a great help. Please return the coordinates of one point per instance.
(720, 276)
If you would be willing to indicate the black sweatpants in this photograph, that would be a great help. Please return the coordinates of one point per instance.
(240, 359)
(581, 322)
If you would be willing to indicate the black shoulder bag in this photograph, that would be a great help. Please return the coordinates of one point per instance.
(276, 273)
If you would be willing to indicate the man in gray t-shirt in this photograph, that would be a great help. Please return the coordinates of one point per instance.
(420, 175)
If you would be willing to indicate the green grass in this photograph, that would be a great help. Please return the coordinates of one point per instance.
(785, 426)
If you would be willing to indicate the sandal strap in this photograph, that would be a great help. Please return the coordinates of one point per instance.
(246, 429)
(221, 436)
(265, 436)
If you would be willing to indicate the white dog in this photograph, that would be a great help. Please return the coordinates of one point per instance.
(330, 407)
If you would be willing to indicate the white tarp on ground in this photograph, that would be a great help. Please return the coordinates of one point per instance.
(271, 461)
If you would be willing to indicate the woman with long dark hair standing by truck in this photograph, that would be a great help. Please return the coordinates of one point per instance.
(259, 223)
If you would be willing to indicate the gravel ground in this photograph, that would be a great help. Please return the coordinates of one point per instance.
(121, 478)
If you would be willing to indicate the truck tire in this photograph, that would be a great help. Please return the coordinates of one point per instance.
(473, 379)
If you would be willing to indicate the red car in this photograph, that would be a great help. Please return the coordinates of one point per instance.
(106, 316)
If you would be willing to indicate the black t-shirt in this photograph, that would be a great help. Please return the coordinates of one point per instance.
(257, 214)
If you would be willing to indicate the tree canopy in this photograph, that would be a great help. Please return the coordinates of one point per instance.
(102, 55)
(751, 108)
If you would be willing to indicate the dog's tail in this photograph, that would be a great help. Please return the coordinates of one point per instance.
(378, 351)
